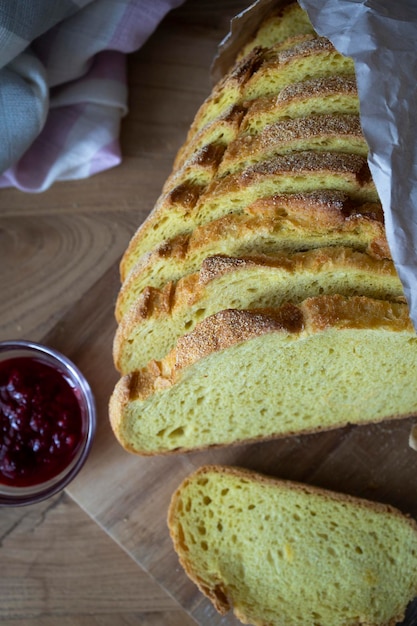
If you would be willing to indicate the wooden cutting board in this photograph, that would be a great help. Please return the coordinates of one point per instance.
(128, 496)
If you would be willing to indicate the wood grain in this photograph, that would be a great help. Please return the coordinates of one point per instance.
(59, 252)
(58, 560)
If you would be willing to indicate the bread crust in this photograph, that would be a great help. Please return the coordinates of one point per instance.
(318, 87)
(320, 132)
(351, 167)
(266, 280)
(230, 327)
(226, 328)
(261, 227)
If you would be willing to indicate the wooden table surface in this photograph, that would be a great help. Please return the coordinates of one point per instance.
(59, 254)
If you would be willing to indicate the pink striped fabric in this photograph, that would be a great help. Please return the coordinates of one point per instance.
(63, 89)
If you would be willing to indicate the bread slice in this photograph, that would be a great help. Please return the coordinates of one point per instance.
(191, 205)
(251, 375)
(159, 317)
(278, 223)
(278, 552)
(286, 23)
(326, 132)
(320, 96)
(297, 172)
(310, 58)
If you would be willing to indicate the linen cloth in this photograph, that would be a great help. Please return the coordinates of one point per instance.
(63, 89)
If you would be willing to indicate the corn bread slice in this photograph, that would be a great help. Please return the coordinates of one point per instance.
(191, 205)
(282, 553)
(286, 23)
(274, 224)
(247, 375)
(159, 317)
(327, 132)
(334, 94)
(311, 58)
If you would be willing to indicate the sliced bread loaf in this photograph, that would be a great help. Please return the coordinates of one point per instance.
(193, 203)
(273, 164)
(287, 62)
(255, 374)
(282, 553)
(278, 223)
(159, 317)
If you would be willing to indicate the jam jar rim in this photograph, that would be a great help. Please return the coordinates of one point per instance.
(18, 496)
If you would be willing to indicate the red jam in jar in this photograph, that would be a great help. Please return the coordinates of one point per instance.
(40, 422)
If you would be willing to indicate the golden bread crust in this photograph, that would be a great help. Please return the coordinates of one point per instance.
(321, 132)
(230, 327)
(152, 324)
(225, 329)
(280, 222)
(352, 167)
